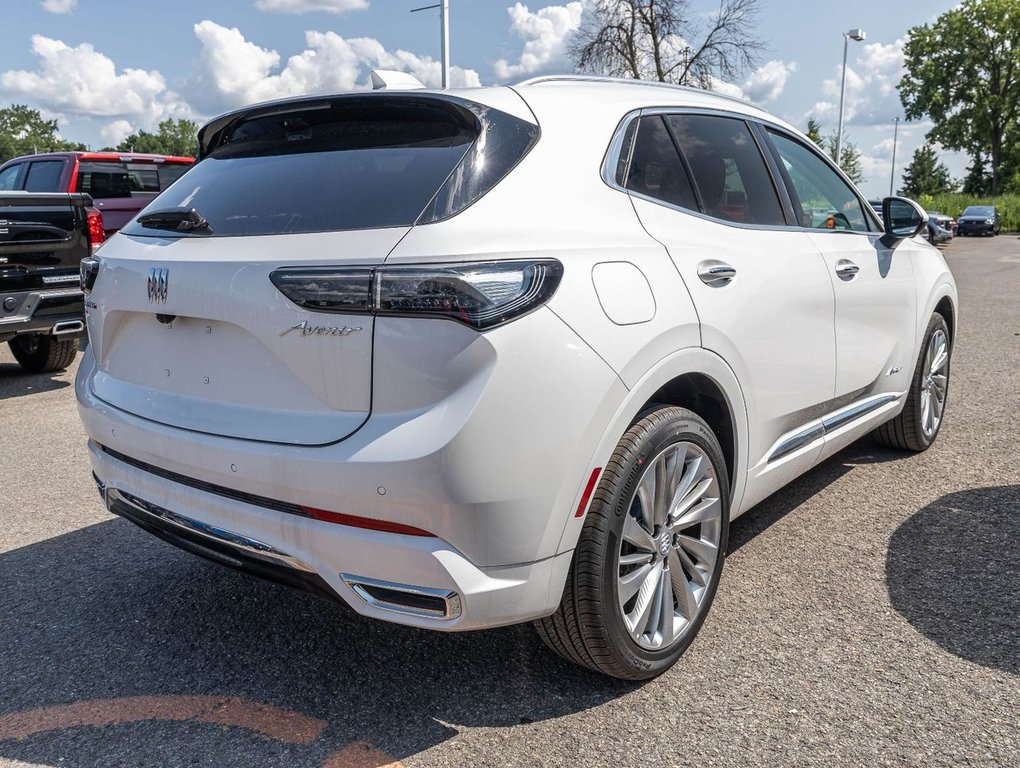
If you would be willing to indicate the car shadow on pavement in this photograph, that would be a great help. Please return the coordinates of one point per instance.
(108, 612)
(953, 572)
(14, 382)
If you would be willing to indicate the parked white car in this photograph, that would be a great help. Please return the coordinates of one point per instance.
(470, 358)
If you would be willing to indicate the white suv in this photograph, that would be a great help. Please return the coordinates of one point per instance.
(469, 358)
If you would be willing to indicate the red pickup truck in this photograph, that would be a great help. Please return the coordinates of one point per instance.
(120, 184)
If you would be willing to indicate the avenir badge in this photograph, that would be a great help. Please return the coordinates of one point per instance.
(307, 329)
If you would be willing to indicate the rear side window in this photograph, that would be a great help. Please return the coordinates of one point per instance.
(655, 168)
(348, 163)
(728, 169)
(9, 177)
(44, 176)
(821, 198)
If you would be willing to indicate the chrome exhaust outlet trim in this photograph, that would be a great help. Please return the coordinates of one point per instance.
(68, 326)
(408, 599)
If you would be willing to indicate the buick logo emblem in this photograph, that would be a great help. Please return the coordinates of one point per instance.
(158, 285)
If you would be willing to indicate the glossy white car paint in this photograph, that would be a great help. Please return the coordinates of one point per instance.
(487, 439)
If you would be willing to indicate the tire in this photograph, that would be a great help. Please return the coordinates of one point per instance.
(918, 424)
(42, 354)
(618, 555)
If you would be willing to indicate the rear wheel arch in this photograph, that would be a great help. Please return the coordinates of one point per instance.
(692, 378)
(948, 311)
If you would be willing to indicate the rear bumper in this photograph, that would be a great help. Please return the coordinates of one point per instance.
(415, 580)
(60, 311)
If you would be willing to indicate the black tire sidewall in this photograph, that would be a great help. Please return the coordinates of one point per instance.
(684, 427)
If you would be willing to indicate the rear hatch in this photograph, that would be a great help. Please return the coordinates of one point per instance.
(122, 186)
(42, 240)
(191, 331)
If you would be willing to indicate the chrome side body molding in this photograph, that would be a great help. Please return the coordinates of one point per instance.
(817, 429)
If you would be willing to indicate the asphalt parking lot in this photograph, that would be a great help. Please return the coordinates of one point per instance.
(869, 614)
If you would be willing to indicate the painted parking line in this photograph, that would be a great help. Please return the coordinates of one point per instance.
(280, 724)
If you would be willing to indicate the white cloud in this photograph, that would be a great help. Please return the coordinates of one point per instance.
(872, 95)
(767, 82)
(309, 6)
(234, 71)
(59, 6)
(545, 33)
(82, 81)
(114, 133)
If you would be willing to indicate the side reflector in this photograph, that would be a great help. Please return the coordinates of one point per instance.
(363, 522)
(589, 489)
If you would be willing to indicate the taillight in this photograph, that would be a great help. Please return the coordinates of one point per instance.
(479, 294)
(88, 272)
(97, 234)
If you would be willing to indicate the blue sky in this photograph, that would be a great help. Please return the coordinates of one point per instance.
(106, 68)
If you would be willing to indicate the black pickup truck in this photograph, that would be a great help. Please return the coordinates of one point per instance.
(43, 238)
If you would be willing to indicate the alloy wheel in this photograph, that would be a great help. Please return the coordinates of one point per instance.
(669, 546)
(935, 384)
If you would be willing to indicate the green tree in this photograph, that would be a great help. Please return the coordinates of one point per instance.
(925, 175)
(850, 161)
(963, 72)
(814, 132)
(173, 137)
(23, 131)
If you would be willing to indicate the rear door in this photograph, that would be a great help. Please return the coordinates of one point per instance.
(760, 287)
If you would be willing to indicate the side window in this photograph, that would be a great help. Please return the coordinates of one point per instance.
(9, 177)
(728, 169)
(655, 167)
(106, 180)
(822, 198)
(44, 176)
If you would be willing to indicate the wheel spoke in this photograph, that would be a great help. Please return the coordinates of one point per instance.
(636, 558)
(941, 382)
(663, 476)
(687, 604)
(666, 611)
(696, 574)
(936, 403)
(639, 617)
(691, 475)
(635, 534)
(704, 551)
(707, 510)
(938, 354)
(646, 494)
(680, 508)
(630, 583)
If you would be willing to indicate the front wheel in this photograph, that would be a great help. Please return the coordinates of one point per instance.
(918, 424)
(651, 551)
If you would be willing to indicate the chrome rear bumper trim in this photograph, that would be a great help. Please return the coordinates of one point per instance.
(249, 546)
(449, 599)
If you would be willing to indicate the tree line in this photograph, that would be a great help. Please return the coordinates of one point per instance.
(24, 131)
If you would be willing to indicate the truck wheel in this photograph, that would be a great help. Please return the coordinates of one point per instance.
(918, 424)
(41, 354)
(651, 551)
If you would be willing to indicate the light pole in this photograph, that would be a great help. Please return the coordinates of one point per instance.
(444, 27)
(892, 174)
(853, 34)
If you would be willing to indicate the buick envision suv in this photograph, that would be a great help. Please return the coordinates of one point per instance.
(469, 358)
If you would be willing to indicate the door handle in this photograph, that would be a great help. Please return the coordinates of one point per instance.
(846, 269)
(716, 273)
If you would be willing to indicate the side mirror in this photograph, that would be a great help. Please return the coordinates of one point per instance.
(902, 218)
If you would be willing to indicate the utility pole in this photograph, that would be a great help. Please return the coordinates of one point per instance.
(892, 174)
(444, 27)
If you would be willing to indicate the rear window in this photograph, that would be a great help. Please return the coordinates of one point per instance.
(348, 163)
(106, 179)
